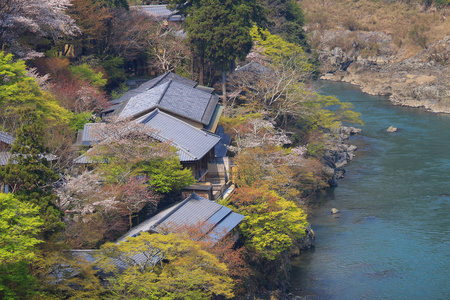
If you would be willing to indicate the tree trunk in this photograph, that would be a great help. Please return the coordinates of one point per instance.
(130, 219)
(224, 85)
(202, 70)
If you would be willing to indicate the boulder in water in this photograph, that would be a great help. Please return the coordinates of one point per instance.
(334, 211)
(392, 129)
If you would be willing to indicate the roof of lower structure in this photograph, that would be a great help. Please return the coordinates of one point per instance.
(253, 67)
(192, 143)
(6, 138)
(173, 97)
(194, 210)
(5, 156)
(161, 12)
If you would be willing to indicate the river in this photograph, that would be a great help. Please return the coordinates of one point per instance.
(391, 239)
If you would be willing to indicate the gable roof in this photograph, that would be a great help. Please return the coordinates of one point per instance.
(152, 83)
(192, 143)
(6, 138)
(253, 67)
(161, 12)
(191, 211)
(174, 97)
(5, 156)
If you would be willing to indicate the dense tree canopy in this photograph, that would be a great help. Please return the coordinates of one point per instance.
(187, 272)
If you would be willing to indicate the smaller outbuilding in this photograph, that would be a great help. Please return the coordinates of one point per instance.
(216, 220)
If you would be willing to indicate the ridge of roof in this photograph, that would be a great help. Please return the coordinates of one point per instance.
(157, 110)
(159, 80)
(164, 92)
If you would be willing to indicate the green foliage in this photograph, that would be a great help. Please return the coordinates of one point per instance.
(286, 19)
(18, 91)
(278, 50)
(28, 174)
(326, 113)
(188, 271)
(115, 71)
(16, 282)
(315, 149)
(85, 72)
(272, 225)
(19, 226)
(119, 91)
(78, 120)
(114, 3)
(166, 174)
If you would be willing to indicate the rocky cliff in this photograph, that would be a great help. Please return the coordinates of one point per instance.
(370, 60)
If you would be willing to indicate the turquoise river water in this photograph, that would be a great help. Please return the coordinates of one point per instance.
(392, 237)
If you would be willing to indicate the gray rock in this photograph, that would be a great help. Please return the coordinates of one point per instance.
(392, 129)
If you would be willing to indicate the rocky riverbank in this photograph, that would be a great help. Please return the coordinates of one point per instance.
(338, 154)
(370, 60)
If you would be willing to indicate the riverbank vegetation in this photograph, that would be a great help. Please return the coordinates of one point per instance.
(62, 74)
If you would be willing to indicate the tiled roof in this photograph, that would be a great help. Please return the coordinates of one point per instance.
(174, 97)
(225, 140)
(160, 11)
(6, 138)
(5, 156)
(253, 67)
(154, 82)
(191, 211)
(192, 143)
(92, 133)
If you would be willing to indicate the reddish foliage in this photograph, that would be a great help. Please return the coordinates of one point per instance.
(135, 194)
(79, 96)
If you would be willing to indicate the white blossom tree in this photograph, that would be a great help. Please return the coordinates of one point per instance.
(36, 18)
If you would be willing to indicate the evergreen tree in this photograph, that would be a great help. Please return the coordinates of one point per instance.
(219, 30)
(28, 173)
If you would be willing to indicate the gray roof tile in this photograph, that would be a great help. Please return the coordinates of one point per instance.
(192, 143)
(92, 133)
(190, 211)
(152, 83)
(158, 10)
(174, 97)
(6, 138)
(181, 96)
(4, 157)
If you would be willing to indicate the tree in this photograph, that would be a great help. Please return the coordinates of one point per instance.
(286, 19)
(163, 267)
(28, 173)
(17, 90)
(35, 20)
(219, 31)
(166, 174)
(19, 226)
(272, 225)
(135, 194)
